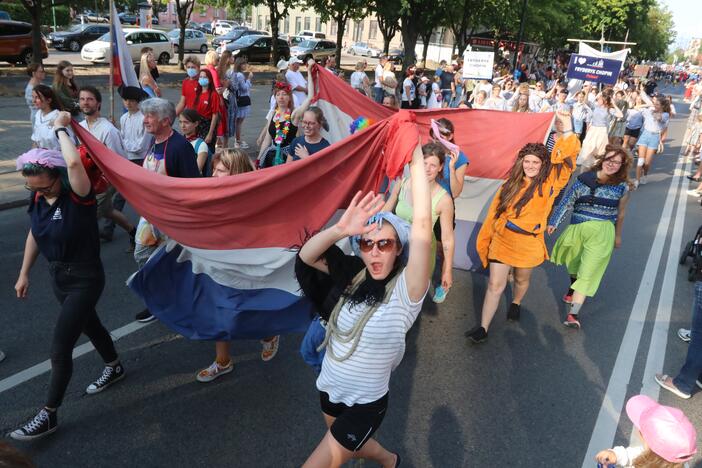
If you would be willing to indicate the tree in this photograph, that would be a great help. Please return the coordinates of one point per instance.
(411, 17)
(426, 28)
(278, 10)
(340, 11)
(387, 12)
(184, 9)
(654, 35)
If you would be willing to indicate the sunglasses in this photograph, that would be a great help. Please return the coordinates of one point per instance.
(384, 245)
(46, 189)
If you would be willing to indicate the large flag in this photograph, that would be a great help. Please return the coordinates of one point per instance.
(123, 69)
(228, 270)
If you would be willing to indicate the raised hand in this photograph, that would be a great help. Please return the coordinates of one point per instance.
(354, 220)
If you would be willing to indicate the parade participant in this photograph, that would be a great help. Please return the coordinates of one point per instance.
(211, 62)
(64, 230)
(134, 137)
(582, 115)
(423, 91)
(378, 93)
(48, 107)
(598, 199)
(455, 169)
(655, 118)
(495, 101)
(281, 129)
(512, 235)
(208, 105)
(189, 121)
(102, 129)
(231, 88)
(458, 82)
(389, 80)
(480, 99)
(229, 162)
(448, 86)
(384, 299)
(618, 125)
(442, 210)
(294, 77)
(695, 138)
(521, 103)
(36, 76)
(597, 133)
(311, 140)
(243, 98)
(634, 121)
(359, 80)
(151, 63)
(390, 101)
(189, 87)
(170, 155)
(669, 437)
(65, 87)
(146, 80)
(434, 99)
(409, 90)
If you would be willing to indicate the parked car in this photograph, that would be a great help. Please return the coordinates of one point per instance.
(365, 49)
(16, 42)
(313, 48)
(154, 20)
(314, 34)
(127, 18)
(223, 27)
(258, 48)
(194, 40)
(4, 15)
(296, 40)
(76, 37)
(396, 56)
(99, 51)
(85, 18)
(235, 35)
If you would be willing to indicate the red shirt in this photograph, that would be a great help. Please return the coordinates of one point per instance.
(188, 90)
(208, 104)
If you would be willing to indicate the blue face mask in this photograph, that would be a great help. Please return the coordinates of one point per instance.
(203, 82)
(192, 72)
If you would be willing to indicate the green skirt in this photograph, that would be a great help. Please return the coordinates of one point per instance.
(585, 249)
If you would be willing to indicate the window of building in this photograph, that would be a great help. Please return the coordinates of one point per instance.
(373, 30)
(308, 23)
(334, 28)
(318, 24)
(286, 25)
(358, 31)
(268, 23)
(298, 25)
(259, 22)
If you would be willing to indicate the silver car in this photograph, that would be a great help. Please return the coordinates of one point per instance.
(363, 48)
(313, 48)
(194, 40)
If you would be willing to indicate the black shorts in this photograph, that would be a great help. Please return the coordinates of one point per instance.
(632, 132)
(437, 224)
(354, 425)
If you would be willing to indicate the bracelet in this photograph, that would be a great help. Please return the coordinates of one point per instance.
(61, 129)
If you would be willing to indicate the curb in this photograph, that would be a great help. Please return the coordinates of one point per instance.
(13, 204)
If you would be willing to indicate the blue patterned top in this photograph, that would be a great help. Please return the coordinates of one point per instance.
(600, 204)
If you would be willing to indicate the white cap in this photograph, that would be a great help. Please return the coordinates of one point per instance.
(294, 60)
(282, 64)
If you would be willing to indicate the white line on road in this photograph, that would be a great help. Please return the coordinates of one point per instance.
(35, 371)
(613, 400)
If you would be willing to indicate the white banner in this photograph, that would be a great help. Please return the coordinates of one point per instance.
(620, 55)
(477, 65)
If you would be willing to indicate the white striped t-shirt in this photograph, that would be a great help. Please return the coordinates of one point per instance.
(365, 376)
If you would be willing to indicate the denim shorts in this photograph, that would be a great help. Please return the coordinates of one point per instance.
(649, 139)
(446, 95)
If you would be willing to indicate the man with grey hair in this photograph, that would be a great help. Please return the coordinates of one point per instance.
(171, 155)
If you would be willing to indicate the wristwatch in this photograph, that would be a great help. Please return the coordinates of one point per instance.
(61, 129)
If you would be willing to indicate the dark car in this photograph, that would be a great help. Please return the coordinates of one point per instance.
(16, 42)
(127, 18)
(258, 48)
(234, 35)
(396, 56)
(75, 38)
(205, 27)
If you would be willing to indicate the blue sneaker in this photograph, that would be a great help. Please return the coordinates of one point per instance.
(439, 295)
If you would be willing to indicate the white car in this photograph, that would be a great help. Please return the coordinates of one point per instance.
(194, 40)
(99, 51)
(363, 48)
(223, 27)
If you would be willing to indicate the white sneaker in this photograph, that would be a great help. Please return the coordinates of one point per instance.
(270, 348)
(636, 184)
(644, 180)
(684, 334)
(694, 193)
(214, 371)
(243, 145)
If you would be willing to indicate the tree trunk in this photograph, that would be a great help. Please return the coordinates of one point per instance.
(409, 39)
(183, 14)
(275, 16)
(340, 29)
(35, 13)
(425, 47)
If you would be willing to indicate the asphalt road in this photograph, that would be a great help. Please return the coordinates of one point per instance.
(529, 397)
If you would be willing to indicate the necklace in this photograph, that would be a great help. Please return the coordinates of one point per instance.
(281, 133)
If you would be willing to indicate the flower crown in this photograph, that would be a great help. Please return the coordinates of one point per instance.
(280, 85)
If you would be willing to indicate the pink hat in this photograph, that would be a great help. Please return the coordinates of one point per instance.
(666, 430)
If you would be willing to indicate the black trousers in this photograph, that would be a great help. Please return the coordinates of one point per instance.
(78, 287)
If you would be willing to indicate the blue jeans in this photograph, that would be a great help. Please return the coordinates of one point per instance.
(378, 94)
(692, 369)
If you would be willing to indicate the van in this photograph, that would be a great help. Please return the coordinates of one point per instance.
(16, 42)
(316, 35)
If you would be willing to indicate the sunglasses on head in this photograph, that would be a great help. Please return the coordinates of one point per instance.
(384, 245)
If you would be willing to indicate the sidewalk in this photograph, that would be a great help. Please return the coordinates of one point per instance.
(12, 191)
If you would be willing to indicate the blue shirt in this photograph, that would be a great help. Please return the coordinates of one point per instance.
(445, 181)
(311, 147)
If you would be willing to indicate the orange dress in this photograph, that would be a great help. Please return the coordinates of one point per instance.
(522, 244)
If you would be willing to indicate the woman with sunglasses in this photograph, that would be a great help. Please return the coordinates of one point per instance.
(64, 229)
(369, 301)
(598, 199)
(512, 235)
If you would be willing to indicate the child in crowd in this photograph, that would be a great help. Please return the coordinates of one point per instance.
(668, 436)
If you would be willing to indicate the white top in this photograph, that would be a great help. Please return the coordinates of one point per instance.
(412, 92)
(103, 130)
(30, 102)
(134, 136)
(432, 102)
(356, 79)
(365, 376)
(43, 132)
(652, 123)
(487, 87)
(295, 79)
(378, 75)
(495, 104)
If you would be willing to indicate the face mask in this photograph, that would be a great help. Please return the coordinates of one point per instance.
(192, 72)
(203, 82)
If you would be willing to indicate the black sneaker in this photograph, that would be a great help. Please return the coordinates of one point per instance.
(43, 424)
(110, 375)
(513, 312)
(144, 316)
(132, 241)
(477, 334)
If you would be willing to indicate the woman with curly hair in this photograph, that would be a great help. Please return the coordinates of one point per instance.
(512, 235)
(598, 199)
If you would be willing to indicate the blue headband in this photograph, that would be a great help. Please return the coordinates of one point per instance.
(402, 228)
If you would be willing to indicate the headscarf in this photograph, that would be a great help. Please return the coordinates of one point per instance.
(402, 228)
(41, 157)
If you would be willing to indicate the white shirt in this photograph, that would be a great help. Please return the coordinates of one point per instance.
(43, 131)
(134, 136)
(295, 79)
(30, 102)
(103, 130)
(432, 103)
(356, 79)
(493, 103)
(365, 376)
(378, 75)
(408, 83)
(487, 87)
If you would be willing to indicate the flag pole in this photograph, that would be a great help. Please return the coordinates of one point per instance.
(112, 61)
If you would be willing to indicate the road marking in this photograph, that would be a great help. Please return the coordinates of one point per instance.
(43, 367)
(613, 401)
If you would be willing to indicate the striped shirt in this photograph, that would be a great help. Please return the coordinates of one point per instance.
(365, 376)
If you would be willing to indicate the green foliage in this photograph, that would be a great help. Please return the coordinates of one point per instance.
(339, 11)
(654, 35)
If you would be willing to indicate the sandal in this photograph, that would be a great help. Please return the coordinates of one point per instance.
(270, 348)
(666, 382)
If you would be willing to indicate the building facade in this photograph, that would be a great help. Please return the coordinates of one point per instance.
(200, 14)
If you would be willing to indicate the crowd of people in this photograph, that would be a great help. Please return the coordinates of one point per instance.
(402, 240)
